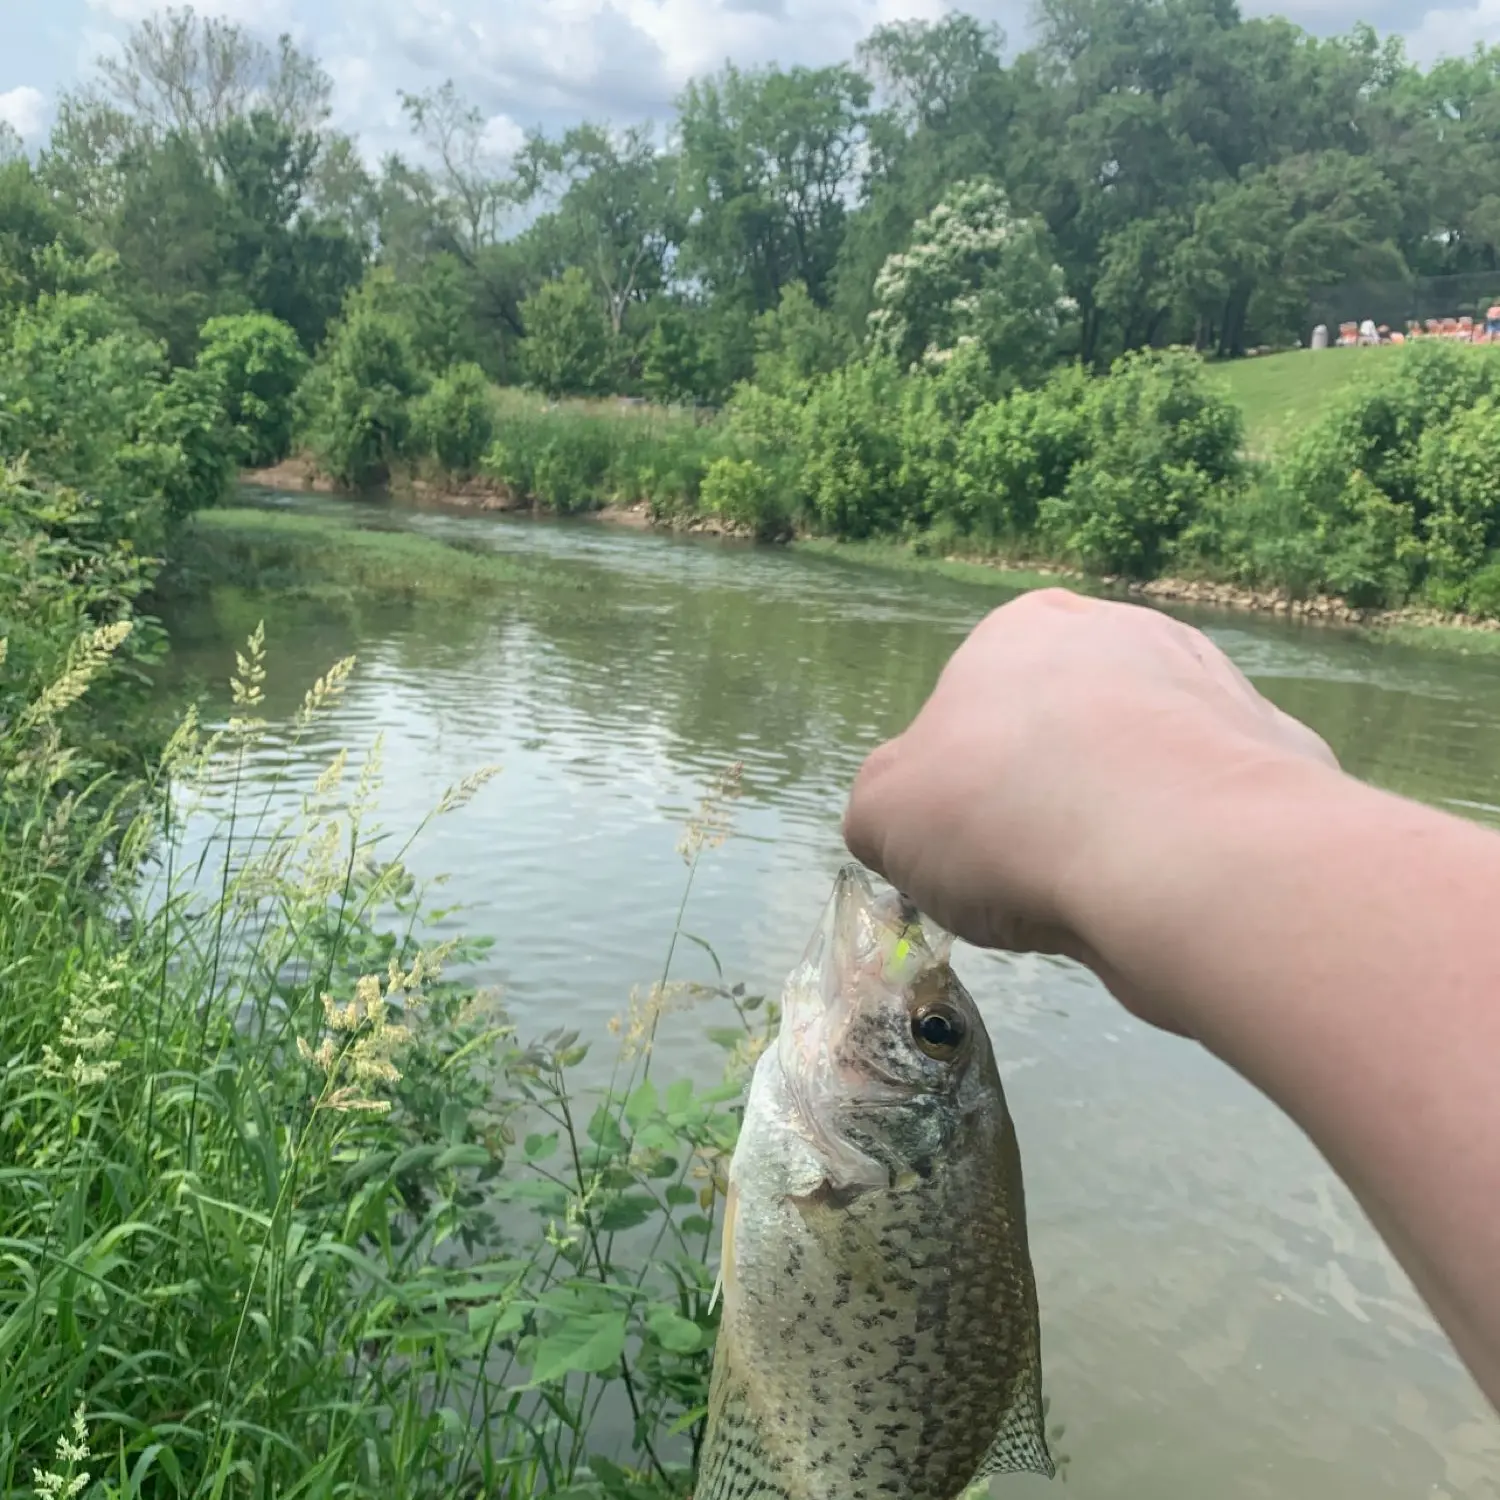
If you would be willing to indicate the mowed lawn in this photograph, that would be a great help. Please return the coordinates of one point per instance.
(1282, 393)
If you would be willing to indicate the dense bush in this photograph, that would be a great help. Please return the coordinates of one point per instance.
(356, 401)
(1163, 446)
(259, 363)
(454, 422)
(568, 349)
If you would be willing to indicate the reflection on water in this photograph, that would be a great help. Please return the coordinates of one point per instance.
(1218, 1321)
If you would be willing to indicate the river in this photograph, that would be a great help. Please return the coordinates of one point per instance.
(1219, 1323)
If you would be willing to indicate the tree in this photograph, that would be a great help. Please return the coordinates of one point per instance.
(474, 185)
(975, 272)
(567, 350)
(618, 217)
(257, 363)
(769, 163)
(40, 244)
(190, 75)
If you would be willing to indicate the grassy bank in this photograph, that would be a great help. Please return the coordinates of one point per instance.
(1280, 395)
(291, 1209)
(323, 557)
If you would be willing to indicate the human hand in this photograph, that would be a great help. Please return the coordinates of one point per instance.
(1056, 736)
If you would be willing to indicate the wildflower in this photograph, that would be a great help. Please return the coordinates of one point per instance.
(69, 1453)
(327, 689)
(361, 1042)
(87, 1030)
(638, 1025)
(247, 686)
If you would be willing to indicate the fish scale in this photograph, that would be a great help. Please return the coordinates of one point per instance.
(880, 1332)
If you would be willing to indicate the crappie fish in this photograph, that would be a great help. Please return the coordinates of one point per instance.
(879, 1334)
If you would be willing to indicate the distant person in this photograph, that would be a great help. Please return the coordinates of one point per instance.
(1320, 336)
(1368, 334)
(1098, 780)
(1492, 320)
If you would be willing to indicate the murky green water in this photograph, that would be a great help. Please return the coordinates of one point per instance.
(1218, 1322)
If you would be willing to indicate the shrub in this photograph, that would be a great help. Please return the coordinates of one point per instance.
(1014, 453)
(183, 447)
(1458, 488)
(1483, 592)
(356, 402)
(849, 460)
(455, 421)
(74, 378)
(745, 493)
(1373, 440)
(1162, 445)
(568, 349)
(259, 363)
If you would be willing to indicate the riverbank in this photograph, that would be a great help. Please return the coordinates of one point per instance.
(1410, 623)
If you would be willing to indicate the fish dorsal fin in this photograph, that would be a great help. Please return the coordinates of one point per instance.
(1020, 1446)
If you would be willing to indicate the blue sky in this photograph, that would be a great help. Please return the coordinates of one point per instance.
(551, 62)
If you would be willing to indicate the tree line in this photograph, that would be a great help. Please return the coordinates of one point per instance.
(1191, 175)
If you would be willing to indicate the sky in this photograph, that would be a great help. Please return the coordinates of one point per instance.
(550, 63)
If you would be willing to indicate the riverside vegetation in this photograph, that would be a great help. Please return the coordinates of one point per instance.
(288, 1208)
(930, 295)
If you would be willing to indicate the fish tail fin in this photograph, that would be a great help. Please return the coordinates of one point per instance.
(1020, 1446)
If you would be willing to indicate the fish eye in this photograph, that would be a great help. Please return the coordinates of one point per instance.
(938, 1031)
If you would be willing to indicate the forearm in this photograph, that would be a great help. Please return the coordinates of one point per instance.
(1340, 949)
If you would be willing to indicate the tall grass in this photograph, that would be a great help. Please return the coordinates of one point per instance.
(577, 455)
(286, 1206)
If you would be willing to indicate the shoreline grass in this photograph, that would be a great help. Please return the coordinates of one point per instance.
(290, 1208)
(325, 557)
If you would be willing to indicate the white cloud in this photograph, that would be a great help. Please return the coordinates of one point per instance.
(1447, 32)
(259, 15)
(24, 109)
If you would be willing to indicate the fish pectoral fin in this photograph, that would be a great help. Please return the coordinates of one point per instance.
(1020, 1446)
(726, 1247)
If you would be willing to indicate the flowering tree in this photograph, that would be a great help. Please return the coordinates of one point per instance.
(975, 272)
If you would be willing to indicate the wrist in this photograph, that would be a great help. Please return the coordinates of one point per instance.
(1176, 853)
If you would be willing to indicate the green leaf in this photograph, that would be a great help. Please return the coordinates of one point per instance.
(462, 1156)
(642, 1104)
(655, 1138)
(680, 1195)
(587, 1343)
(540, 1147)
(679, 1095)
(674, 1332)
(727, 1037)
(605, 1132)
(708, 949)
(627, 1212)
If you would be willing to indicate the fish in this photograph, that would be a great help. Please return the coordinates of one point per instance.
(879, 1333)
